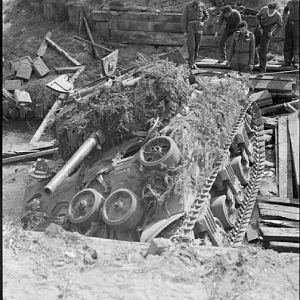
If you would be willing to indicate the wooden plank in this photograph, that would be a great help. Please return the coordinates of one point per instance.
(278, 214)
(63, 52)
(63, 70)
(285, 182)
(280, 234)
(105, 15)
(272, 85)
(278, 108)
(91, 38)
(279, 200)
(148, 38)
(293, 129)
(284, 246)
(138, 25)
(43, 47)
(278, 207)
(282, 223)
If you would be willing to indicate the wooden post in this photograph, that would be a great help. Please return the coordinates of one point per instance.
(91, 37)
(43, 47)
(63, 52)
(49, 119)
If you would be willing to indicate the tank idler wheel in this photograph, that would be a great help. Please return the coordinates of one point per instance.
(84, 207)
(241, 171)
(158, 152)
(225, 213)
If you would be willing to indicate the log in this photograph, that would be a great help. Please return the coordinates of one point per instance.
(63, 52)
(284, 246)
(29, 156)
(91, 38)
(280, 234)
(43, 47)
(49, 119)
(293, 129)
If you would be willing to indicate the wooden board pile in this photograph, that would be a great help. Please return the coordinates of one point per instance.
(279, 215)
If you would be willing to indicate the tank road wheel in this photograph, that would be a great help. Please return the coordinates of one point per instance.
(158, 152)
(122, 210)
(84, 207)
(60, 210)
(223, 212)
(241, 171)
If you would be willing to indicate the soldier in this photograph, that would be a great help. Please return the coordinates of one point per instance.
(291, 41)
(269, 20)
(194, 16)
(232, 18)
(242, 49)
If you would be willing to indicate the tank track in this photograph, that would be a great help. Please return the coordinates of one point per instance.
(202, 201)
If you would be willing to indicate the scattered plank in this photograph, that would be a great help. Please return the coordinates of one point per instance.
(284, 246)
(278, 207)
(262, 98)
(280, 234)
(29, 156)
(278, 214)
(279, 200)
(285, 182)
(94, 44)
(91, 38)
(64, 70)
(63, 52)
(282, 223)
(293, 129)
(40, 67)
(43, 47)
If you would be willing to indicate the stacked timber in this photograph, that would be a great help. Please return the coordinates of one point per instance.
(134, 26)
(279, 223)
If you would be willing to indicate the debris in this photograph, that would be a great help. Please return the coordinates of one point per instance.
(7, 95)
(39, 67)
(43, 47)
(92, 43)
(12, 85)
(22, 97)
(54, 230)
(29, 156)
(159, 246)
(63, 52)
(50, 117)
(15, 64)
(90, 255)
(61, 84)
(24, 70)
(63, 70)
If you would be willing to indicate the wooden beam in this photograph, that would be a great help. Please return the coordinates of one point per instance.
(63, 52)
(280, 234)
(293, 129)
(279, 200)
(43, 47)
(138, 25)
(285, 183)
(281, 223)
(92, 43)
(278, 214)
(100, 16)
(91, 38)
(278, 207)
(272, 85)
(284, 246)
(29, 156)
(262, 98)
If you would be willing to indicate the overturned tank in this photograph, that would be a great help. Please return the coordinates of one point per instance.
(158, 158)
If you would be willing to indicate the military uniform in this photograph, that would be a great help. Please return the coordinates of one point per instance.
(193, 15)
(262, 33)
(291, 41)
(232, 23)
(242, 51)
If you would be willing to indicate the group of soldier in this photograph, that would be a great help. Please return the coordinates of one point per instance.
(246, 48)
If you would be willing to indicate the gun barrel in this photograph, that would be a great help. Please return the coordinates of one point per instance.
(89, 144)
